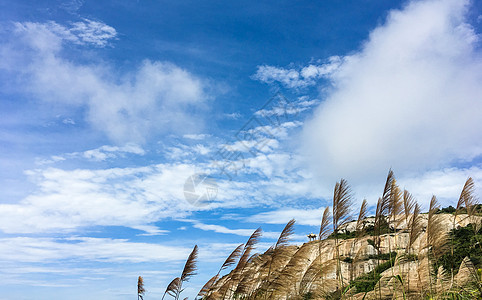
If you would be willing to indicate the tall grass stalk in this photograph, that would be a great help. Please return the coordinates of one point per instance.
(342, 201)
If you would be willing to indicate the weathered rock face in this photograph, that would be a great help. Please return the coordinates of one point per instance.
(312, 267)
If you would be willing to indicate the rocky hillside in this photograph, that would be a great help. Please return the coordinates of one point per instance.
(387, 266)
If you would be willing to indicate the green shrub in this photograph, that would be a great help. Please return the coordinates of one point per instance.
(367, 282)
(466, 243)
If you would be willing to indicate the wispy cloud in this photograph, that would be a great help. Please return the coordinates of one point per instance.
(81, 33)
(72, 6)
(93, 32)
(233, 116)
(155, 98)
(222, 229)
(69, 199)
(271, 235)
(66, 200)
(310, 217)
(26, 249)
(297, 78)
(105, 152)
(200, 136)
(99, 154)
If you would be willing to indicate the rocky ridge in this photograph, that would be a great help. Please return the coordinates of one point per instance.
(310, 269)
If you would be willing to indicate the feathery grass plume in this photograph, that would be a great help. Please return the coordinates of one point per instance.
(435, 237)
(395, 202)
(466, 197)
(315, 281)
(354, 259)
(216, 295)
(442, 281)
(383, 286)
(408, 205)
(382, 210)
(414, 227)
(247, 283)
(224, 289)
(387, 190)
(394, 211)
(471, 202)
(255, 270)
(436, 234)
(424, 270)
(285, 234)
(190, 266)
(378, 223)
(278, 249)
(250, 244)
(380, 220)
(189, 269)
(231, 260)
(325, 223)
(207, 287)
(394, 207)
(342, 201)
(471, 278)
(359, 228)
(286, 285)
(238, 270)
(254, 283)
(361, 217)
(383, 207)
(324, 232)
(172, 287)
(140, 288)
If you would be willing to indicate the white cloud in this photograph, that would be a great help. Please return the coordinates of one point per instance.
(68, 121)
(446, 184)
(81, 33)
(292, 78)
(98, 154)
(201, 149)
(27, 249)
(72, 6)
(68, 199)
(51, 160)
(156, 98)
(223, 229)
(233, 116)
(104, 152)
(310, 217)
(93, 32)
(200, 136)
(247, 232)
(186, 153)
(150, 230)
(409, 100)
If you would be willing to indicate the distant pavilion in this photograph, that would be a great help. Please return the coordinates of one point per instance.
(311, 236)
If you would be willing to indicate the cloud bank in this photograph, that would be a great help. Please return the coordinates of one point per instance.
(410, 99)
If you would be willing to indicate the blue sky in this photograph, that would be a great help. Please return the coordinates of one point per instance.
(107, 108)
